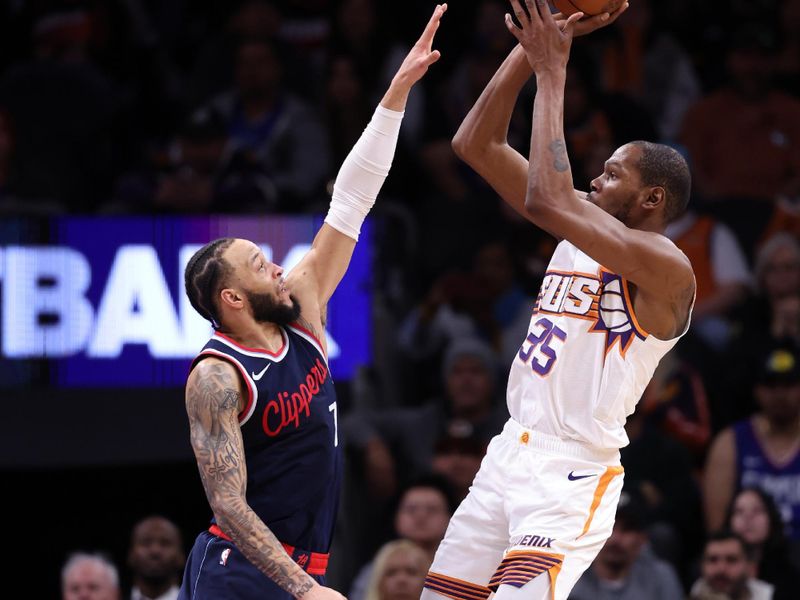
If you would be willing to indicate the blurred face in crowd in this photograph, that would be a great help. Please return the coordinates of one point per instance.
(422, 516)
(459, 467)
(750, 518)
(404, 575)
(622, 548)
(780, 401)
(258, 70)
(781, 273)
(357, 20)
(89, 580)
(156, 553)
(725, 567)
(469, 385)
(344, 84)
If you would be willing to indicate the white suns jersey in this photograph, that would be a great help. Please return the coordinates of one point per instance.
(586, 361)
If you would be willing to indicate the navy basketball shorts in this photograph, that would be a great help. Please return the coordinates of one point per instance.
(216, 570)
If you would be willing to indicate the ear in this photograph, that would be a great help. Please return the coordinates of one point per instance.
(232, 298)
(657, 197)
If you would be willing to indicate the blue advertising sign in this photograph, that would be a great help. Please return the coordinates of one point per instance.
(103, 300)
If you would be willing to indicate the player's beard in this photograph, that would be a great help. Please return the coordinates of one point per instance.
(624, 211)
(266, 309)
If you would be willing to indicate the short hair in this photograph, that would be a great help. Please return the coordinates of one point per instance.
(76, 558)
(431, 481)
(661, 165)
(382, 558)
(205, 275)
(723, 535)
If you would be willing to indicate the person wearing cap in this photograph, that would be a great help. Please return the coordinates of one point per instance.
(626, 568)
(467, 411)
(762, 451)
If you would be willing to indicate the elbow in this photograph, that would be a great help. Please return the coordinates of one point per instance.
(535, 205)
(461, 145)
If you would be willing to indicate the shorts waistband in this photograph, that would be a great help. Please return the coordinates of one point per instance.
(313, 563)
(517, 433)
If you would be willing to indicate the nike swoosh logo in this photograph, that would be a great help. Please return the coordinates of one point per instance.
(260, 375)
(573, 477)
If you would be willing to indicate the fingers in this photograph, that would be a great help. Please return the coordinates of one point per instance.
(519, 12)
(433, 25)
(569, 26)
(544, 11)
(534, 7)
(515, 31)
(615, 15)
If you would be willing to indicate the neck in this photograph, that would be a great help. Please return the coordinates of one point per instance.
(267, 336)
(789, 428)
(154, 589)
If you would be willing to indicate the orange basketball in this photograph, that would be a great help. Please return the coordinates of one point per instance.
(588, 7)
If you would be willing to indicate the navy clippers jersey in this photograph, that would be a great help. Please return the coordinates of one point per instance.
(289, 430)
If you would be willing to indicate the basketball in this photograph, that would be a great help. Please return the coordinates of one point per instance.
(588, 7)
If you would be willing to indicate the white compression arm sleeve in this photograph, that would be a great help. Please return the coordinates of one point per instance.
(363, 172)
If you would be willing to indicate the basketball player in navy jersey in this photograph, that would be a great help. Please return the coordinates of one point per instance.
(260, 400)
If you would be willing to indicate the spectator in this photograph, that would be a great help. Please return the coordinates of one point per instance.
(421, 516)
(458, 460)
(89, 577)
(407, 437)
(271, 130)
(63, 111)
(625, 569)
(720, 269)
(400, 569)
(676, 402)
(156, 559)
(726, 572)
(756, 160)
(763, 450)
(658, 470)
(770, 315)
(488, 302)
(754, 516)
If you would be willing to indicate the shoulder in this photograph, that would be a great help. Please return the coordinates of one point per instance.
(212, 374)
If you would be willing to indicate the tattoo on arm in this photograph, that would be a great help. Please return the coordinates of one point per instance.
(212, 403)
(559, 151)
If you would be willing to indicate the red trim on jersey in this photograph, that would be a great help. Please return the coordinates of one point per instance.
(261, 350)
(250, 394)
(313, 563)
(297, 325)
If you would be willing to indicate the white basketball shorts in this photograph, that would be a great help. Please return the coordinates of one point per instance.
(538, 503)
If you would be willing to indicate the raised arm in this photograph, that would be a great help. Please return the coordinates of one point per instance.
(361, 177)
(482, 139)
(649, 260)
(213, 402)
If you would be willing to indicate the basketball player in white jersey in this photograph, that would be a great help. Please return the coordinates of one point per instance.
(616, 297)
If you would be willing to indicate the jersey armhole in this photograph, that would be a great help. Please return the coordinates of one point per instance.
(252, 391)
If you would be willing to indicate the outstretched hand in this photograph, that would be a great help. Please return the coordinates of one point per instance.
(546, 41)
(421, 55)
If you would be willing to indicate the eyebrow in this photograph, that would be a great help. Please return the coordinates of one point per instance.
(254, 256)
(614, 163)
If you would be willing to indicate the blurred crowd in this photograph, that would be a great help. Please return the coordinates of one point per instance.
(249, 107)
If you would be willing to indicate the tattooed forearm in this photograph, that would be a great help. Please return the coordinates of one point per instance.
(559, 151)
(263, 549)
(212, 403)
